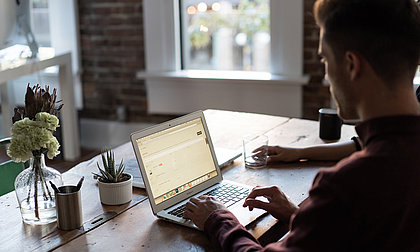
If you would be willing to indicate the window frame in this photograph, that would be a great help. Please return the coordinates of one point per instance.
(162, 36)
(171, 90)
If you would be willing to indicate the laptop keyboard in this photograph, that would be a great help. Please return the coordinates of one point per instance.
(228, 194)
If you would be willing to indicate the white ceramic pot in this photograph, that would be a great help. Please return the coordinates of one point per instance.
(116, 193)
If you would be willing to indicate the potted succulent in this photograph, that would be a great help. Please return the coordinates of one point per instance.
(115, 186)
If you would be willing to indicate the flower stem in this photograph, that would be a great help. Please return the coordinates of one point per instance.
(36, 190)
(38, 177)
(28, 183)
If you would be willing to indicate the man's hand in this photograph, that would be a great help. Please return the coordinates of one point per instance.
(278, 204)
(199, 209)
(280, 154)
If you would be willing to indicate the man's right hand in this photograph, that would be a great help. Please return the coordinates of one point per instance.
(278, 204)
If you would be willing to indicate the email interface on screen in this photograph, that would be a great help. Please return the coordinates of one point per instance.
(176, 159)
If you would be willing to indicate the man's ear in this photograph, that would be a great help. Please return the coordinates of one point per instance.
(352, 63)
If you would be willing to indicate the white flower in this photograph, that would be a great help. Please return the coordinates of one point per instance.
(28, 136)
(47, 120)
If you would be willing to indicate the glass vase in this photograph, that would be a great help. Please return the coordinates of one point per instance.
(34, 192)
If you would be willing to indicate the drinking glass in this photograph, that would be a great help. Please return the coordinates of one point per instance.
(255, 150)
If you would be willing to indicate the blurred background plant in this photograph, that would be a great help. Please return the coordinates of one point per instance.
(226, 35)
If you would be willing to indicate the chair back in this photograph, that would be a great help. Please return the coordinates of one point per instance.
(8, 172)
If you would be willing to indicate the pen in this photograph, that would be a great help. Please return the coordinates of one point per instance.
(54, 187)
(79, 184)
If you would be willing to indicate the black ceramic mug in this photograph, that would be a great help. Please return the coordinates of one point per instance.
(329, 124)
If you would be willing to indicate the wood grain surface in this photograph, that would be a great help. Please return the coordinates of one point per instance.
(17, 236)
(138, 229)
(133, 226)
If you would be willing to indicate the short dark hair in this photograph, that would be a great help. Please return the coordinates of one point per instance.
(385, 32)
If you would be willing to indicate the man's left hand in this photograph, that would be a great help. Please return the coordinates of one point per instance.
(199, 209)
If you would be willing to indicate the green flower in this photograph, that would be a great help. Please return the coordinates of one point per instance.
(28, 136)
(47, 120)
(52, 147)
(34, 124)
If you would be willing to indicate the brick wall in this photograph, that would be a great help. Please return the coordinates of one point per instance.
(113, 50)
(315, 94)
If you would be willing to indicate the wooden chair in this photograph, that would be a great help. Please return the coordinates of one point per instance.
(8, 171)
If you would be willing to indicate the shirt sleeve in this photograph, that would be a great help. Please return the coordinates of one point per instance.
(320, 224)
(227, 234)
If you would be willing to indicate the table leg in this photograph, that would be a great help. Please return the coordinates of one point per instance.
(69, 121)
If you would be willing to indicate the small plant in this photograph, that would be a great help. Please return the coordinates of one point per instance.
(110, 174)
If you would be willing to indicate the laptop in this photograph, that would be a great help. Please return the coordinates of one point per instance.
(177, 161)
(225, 157)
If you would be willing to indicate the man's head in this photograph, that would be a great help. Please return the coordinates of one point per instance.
(383, 33)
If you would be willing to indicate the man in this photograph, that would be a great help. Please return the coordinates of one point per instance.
(369, 201)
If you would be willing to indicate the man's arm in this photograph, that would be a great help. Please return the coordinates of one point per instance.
(278, 205)
(333, 151)
(322, 223)
(224, 229)
(227, 234)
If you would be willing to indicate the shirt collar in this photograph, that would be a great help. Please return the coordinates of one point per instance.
(372, 128)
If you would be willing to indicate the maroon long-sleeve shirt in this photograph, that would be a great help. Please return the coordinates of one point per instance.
(369, 201)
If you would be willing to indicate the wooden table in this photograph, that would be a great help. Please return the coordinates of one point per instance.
(133, 226)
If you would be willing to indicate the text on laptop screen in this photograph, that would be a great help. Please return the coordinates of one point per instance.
(176, 159)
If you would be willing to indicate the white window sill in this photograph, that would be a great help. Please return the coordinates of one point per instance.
(180, 92)
(214, 75)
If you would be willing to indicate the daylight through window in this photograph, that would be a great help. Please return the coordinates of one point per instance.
(225, 35)
(40, 23)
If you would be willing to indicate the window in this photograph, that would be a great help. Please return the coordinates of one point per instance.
(172, 89)
(225, 35)
(40, 23)
(163, 37)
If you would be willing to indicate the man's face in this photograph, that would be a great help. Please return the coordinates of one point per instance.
(336, 75)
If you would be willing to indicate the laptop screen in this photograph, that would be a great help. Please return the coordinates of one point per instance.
(176, 159)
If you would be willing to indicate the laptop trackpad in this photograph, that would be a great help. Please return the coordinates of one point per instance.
(243, 214)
